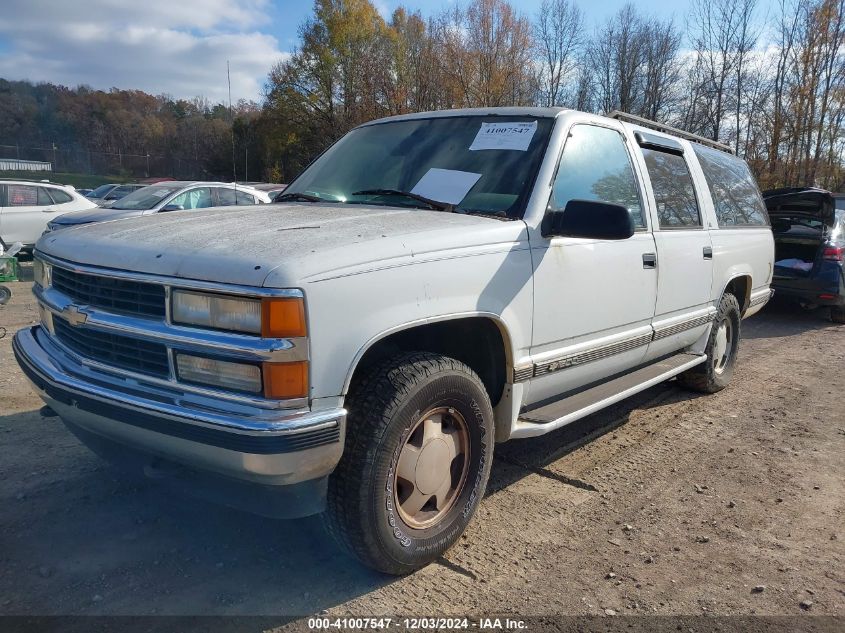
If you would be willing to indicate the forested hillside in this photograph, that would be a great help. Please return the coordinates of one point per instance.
(766, 78)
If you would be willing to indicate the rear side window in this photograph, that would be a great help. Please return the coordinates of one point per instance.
(245, 198)
(226, 197)
(44, 199)
(595, 166)
(23, 196)
(735, 195)
(674, 192)
(59, 196)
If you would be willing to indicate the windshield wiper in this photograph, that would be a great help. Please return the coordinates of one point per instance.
(495, 215)
(432, 204)
(302, 197)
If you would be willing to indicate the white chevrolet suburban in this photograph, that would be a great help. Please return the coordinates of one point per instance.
(432, 284)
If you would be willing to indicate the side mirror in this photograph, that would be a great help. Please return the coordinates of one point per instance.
(589, 219)
(173, 207)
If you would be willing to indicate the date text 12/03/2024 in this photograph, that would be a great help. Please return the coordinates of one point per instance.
(423, 623)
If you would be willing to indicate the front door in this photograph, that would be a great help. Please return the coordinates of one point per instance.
(593, 299)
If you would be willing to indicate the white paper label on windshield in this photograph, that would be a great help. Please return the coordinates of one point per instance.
(515, 136)
(445, 185)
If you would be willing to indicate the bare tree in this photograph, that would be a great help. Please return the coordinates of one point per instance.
(722, 40)
(557, 35)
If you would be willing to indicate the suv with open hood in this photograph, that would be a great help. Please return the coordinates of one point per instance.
(809, 231)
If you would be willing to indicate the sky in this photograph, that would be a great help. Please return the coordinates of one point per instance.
(180, 47)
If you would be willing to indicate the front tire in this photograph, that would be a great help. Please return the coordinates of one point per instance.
(419, 445)
(722, 347)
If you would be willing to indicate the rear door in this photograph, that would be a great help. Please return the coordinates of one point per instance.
(684, 265)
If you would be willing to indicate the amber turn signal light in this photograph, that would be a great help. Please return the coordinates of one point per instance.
(282, 317)
(285, 380)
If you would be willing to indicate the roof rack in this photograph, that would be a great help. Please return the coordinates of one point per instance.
(660, 127)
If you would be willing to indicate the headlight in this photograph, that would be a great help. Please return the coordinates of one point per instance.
(41, 273)
(274, 380)
(219, 373)
(272, 317)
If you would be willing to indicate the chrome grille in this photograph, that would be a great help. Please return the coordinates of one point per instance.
(132, 354)
(116, 295)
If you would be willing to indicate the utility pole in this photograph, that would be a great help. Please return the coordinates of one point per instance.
(231, 122)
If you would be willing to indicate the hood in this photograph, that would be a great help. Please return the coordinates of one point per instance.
(93, 215)
(799, 202)
(280, 245)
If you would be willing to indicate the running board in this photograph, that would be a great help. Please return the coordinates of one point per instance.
(562, 412)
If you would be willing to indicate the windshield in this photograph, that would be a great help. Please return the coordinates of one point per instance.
(145, 198)
(101, 191)
(483, 164)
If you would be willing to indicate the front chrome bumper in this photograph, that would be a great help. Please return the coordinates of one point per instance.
(278, 447)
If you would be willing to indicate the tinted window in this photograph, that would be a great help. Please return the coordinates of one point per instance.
(735, 195)
(245, 198)
(44, 199)
(595, 166)
(145, 198)
(674, 192)
(60, 197)
(120, 192)
(226, 197)
(100, 191)
(199, 198)
(23, 196)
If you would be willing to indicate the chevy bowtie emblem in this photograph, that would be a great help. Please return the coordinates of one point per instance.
(75, 316)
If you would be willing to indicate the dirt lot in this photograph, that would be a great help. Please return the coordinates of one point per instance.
(669, 503)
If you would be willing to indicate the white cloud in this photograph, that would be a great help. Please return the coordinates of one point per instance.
(158, 46)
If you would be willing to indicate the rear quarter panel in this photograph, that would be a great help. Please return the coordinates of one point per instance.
(742, 251)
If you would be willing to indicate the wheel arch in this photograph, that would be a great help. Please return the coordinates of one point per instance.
(456, 335)
(739, 284)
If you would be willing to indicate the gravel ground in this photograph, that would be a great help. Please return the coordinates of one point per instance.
(668, 503)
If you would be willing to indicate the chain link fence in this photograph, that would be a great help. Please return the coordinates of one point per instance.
(127, 165)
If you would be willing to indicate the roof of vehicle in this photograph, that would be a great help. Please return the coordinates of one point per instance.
(22, 181)
(195, 183)
(265, 186)
(548, 113)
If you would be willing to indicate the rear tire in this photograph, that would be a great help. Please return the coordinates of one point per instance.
(419, 445)
(722, 347)
(837, 314)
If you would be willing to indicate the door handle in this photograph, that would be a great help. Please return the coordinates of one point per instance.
(708, 252)
(649, 260)
(48, 210)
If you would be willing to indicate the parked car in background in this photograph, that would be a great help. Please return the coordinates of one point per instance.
(808, 225)
(26, 208)
(105, 195)
(271, 189)
(173, 195)
(432, 284)
(84, 192)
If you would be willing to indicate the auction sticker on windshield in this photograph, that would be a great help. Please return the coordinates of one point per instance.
(504, 135)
